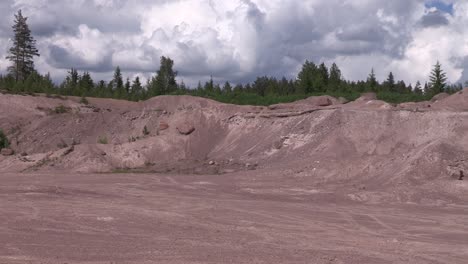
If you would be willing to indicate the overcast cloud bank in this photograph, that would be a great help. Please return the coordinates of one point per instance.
(237, 40)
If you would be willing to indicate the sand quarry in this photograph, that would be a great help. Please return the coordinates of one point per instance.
(315, 181)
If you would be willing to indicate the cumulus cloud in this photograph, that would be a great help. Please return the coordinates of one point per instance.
(240, 39)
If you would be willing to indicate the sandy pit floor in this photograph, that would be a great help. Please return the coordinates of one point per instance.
(157, 218)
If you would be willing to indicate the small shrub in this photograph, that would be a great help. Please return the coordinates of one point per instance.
(103, 140)
(61, 109)
(4, 143)
(84, 101)
(145, 131)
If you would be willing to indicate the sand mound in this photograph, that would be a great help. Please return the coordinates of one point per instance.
(365, 140)
(455, 102)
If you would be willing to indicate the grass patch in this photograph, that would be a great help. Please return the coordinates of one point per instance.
(61, 109)
(103, 140)
(84, 101)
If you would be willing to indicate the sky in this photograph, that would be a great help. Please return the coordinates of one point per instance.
(238, 40)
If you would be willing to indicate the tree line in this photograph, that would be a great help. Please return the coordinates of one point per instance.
(313, 79)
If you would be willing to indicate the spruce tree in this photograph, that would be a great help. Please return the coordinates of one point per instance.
(86, 85)
(118, 84)
(127, 88)
(390, 83)
(438, 79)
(22, 53)
(137, 90)
(227, 88)
(372, 81)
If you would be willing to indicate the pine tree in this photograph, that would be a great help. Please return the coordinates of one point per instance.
(70, 84)
(118, 84)
(227, 88)
(438, 79)
(137, 90)
(127, 87)
(426, 89)
(390, 83)
(324, 75)
(417, 89)
(86, 85)
(164, 82)
(305, 78)
(22, 53)
(209, 86)
(372, 81)
(101, 89)
(335, 78)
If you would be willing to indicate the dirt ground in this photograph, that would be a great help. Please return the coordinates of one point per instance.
(180, 179)
(157, 218)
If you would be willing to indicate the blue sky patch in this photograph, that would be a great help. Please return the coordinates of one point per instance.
(440, 5)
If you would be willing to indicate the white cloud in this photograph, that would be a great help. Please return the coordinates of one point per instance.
(237, 40)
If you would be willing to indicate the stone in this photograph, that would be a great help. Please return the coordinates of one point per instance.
(163, 125)
(185, 129)
(343, 100)
(324, 101)
(7, 152)
(212, 162)
(278, 144)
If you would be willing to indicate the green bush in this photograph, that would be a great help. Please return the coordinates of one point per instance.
(4, 143)
(84, 101)
(61, 109)
(103, 140)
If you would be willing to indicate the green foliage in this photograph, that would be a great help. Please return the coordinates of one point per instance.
(102, 140)
(84, 101)
(4, 143)
(438, 80)
(61, 109)
(372, 82)
(164, 82)
(23, 51)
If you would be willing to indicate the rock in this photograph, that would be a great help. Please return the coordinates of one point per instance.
(278, 144)
(343, 100)
(185, 129)
(323, 101)
(212, 162)
(272, 107)
(439, 97)
(68, 150)
(163, 125)
(7, 152)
